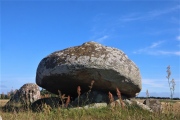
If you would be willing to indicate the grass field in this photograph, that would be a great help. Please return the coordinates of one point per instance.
(171, 111)
(168, 106)
(3, 102)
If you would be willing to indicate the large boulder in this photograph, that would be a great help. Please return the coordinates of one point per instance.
(109, 67)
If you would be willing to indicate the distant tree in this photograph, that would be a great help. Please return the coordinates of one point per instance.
(2, 95)
(6, 96)
(12, 93)
(170, 82)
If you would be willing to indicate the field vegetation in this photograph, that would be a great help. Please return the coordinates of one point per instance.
(170, 111)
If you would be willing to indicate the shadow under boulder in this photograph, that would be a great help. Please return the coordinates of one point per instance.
(52, 102)
(93, 97)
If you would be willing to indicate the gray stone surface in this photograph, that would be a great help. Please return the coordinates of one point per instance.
(77, 66)
(95, 105)
(154, 104)
(27, 94)
(135, 102)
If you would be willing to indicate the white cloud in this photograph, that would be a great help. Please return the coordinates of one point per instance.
(149, 15)
(129, 18)
(165, 11)
(153, 83)
(168, 53)
(9, 82)
(102, 38)
(132, 17)
(157, 52)
(178, 38)
(149, 48)
(158, 86)
(156, 44)
(152, 51)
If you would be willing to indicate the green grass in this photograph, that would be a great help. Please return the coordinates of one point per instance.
(129, 113)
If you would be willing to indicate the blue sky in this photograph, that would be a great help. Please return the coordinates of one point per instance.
(148, 32)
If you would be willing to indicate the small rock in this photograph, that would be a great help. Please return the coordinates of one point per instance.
(96, 105)
(25, 96)
(143, 106)
(154, 104)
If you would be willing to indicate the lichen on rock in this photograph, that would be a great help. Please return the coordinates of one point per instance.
(76, 66)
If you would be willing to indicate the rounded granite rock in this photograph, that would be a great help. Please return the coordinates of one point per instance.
(23, 97)
(109, 67)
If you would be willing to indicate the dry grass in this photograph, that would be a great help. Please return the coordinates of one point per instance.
(169, 107)
(171, 112)
(3, 102)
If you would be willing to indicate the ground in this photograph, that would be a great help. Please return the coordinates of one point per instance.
(171, 110)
